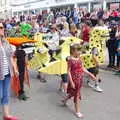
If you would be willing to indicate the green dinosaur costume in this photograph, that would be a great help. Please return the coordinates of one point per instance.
(25, 29)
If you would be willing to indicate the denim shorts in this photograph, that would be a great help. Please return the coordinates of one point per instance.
(94, 70)
(5, 90)
(64, 78)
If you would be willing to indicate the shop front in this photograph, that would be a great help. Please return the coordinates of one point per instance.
(29, 8)
(113, 5)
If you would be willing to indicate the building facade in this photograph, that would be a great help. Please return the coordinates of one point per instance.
(10, 8)
(29, 6)
(5, 9)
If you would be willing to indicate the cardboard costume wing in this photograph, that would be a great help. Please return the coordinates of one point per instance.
(19, 41)
(58, 67)
(44, 63)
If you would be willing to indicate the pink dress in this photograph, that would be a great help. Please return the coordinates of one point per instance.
(77, 74)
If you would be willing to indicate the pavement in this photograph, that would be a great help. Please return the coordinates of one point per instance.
(44, 102)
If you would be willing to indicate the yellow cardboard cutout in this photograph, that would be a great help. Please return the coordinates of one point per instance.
(60, 65)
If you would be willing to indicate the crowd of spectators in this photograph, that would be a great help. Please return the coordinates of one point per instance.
(73, 22)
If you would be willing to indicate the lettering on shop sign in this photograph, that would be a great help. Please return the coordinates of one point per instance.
(60, 1)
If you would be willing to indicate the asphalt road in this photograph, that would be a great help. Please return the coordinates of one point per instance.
(44, 102)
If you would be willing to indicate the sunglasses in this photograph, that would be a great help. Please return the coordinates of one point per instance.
(1, 28)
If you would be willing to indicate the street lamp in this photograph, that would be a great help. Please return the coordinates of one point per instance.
(104, 4)
(89, 6)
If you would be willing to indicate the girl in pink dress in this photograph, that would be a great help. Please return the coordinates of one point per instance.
(75, 73)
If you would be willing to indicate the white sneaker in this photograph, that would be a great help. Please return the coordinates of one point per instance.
(97, 88)
(90, 85)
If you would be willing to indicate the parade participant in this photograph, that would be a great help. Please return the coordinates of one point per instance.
(13, 22)
(118, 54)
(50, 17)
(64, 22)
(63, 32)
(106, 16)
(75, 15)
(25, 29)
(44, 26)
(86, 33)
(6, 73)
(64, 82)
(8, 25)
(93, 18)
(118, 46)
(101, 24)
(100, 14)
(118, 51)
(53, 43)
(114, 13)
(21, 64)
(73, 30)
(111, 44)
(22, 18)
(118, 57)
(75, 76)
(35, 25)
(68, 15)
(95, 71)
(70, 21)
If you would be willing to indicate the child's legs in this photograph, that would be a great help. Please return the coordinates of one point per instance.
(98, 79)
(61, 84)
(77, 104)
(113, 58)
(65, 85)
(118, 61)
(21, 78)
(51, 53)
(42, 77)
(95, 72)
(64, 82)
(67, 98)
(110, 56)
(21, 70)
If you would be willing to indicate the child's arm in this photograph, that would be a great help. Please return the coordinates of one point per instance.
(70, 77)
(90, 74)
(14, 64)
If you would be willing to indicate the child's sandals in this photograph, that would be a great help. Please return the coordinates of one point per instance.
(79, 115)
